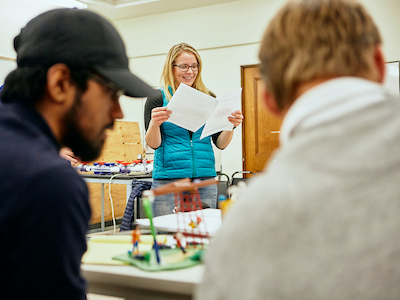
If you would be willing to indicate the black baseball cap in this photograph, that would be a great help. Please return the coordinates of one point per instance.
(81, 39)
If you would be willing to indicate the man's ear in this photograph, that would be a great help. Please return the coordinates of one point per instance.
(379, 60)
(58, 82)
(270, 103)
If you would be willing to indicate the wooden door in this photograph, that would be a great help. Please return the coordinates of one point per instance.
(260, 128)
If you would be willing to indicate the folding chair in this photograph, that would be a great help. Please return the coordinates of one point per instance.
(222, 185)
(235, 180)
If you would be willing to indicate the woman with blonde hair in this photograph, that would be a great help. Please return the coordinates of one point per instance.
(179, 152)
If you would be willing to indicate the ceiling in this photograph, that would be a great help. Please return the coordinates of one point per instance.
(113, 10)
(14, 14)
(125, 9)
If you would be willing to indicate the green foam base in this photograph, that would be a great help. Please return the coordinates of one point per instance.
(171, 259)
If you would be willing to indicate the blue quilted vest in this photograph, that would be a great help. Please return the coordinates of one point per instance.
(180, 156)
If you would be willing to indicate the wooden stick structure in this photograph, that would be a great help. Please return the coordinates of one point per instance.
(186, 202)
(192, 205)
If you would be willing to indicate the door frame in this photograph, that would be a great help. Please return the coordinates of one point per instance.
(242, 68)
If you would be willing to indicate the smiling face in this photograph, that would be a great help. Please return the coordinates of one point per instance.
(188, 77)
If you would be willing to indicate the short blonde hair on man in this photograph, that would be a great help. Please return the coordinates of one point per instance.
(312, 39)
(167, 77)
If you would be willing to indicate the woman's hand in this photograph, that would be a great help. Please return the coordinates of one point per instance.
(226, 136)
(237, 118)
(159, 115)
(153, 135)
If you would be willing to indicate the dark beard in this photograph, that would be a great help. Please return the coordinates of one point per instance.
(74, 138)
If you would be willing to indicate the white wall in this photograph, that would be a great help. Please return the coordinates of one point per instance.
(221, 74)
(226, 35)
(13, 16)
(386, 16)
(6, 66)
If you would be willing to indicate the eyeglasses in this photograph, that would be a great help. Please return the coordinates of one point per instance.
(114, 90)
(185, 67)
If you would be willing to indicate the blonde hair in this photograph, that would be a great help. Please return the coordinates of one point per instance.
(312, 39)
(167, 77)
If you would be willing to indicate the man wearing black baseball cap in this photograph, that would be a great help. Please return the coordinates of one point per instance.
(72, 67)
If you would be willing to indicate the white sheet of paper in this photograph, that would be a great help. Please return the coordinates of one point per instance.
(211, 221)
(227, 104)
(190, 107)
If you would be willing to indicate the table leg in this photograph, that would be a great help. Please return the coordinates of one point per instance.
(102, 208)
(128, 190)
